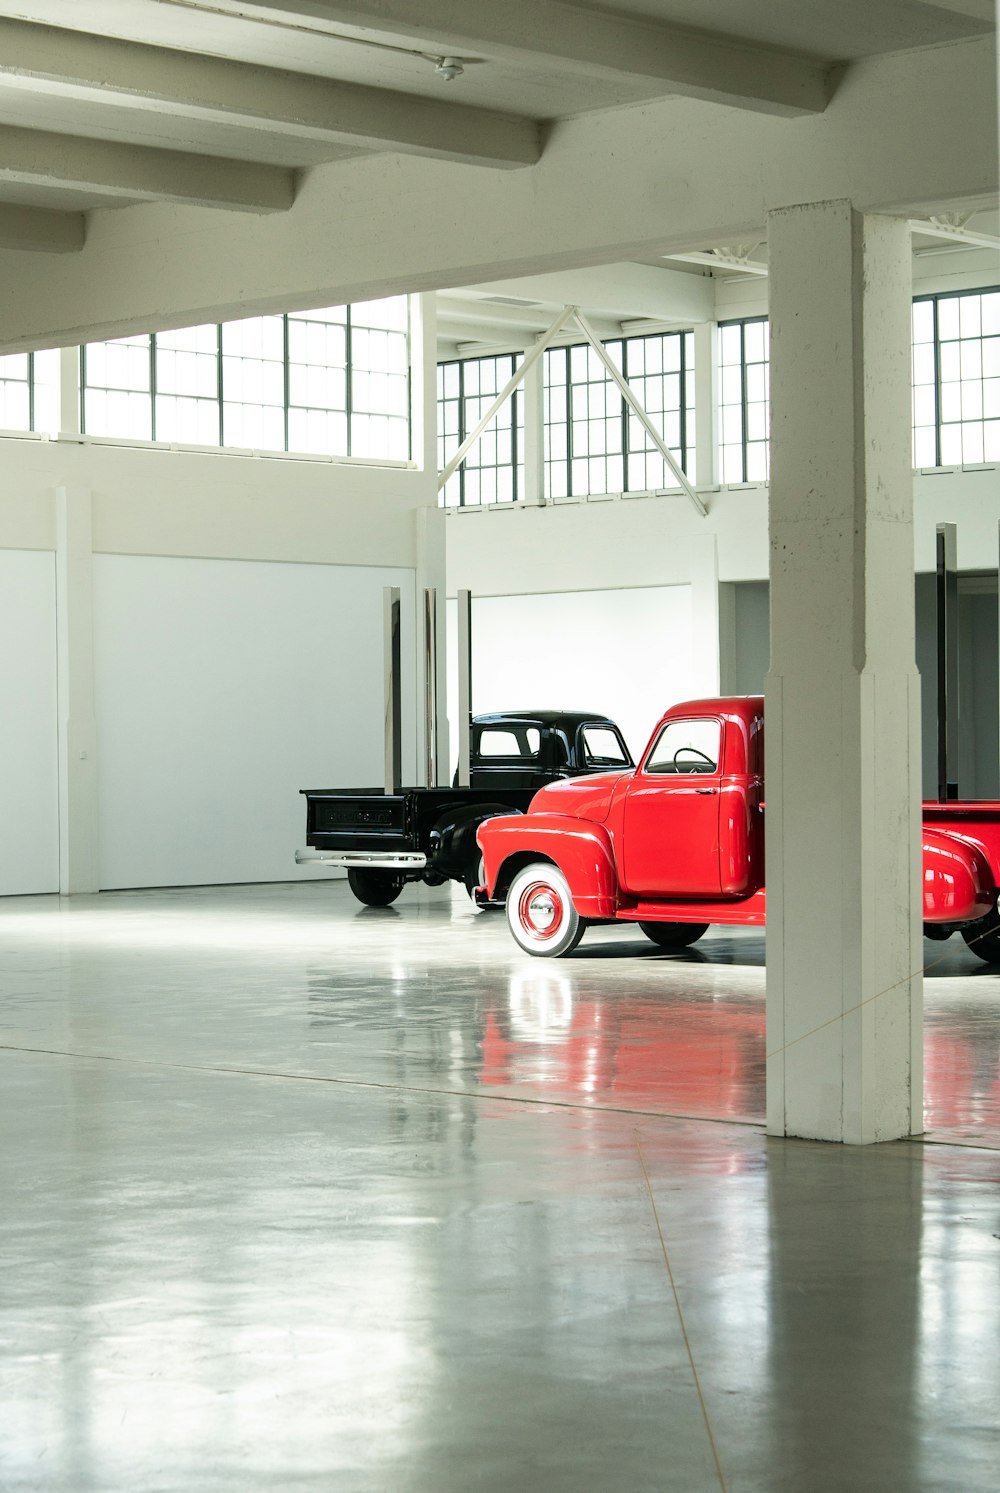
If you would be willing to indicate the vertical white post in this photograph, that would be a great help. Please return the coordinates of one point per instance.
(464, 688)
(947, 662)
(431, 575)
(423, 383)
(844, 988)
(393, 689)
(75, 673)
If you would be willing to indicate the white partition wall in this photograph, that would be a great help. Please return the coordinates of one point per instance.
(626, 653)
(222, 688)
(29, 782)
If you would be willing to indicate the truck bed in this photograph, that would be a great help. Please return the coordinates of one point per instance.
(369, 819)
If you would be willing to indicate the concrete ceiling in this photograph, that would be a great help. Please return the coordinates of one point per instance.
(226, 103)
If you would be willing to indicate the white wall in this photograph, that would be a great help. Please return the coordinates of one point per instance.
(623, 653)
(29, 784)
(222, 688)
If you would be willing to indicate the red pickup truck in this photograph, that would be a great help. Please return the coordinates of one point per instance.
(677, 844)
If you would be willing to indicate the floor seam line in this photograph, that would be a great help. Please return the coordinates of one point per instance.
(680, 1317)
(363, 1083)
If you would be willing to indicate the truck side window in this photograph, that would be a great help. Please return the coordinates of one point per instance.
(686, 746)
(602, 747)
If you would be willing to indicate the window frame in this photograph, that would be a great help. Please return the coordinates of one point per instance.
(934, 298)
(29, 381)
(220, 398)
(623, 415)
(743, 322)
(517, 417)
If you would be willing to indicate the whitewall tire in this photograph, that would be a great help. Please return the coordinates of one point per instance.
(540, 912)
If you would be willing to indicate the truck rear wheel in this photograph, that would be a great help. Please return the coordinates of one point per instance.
(540, 912)
(674, 935)
(374, 888)
(983, 938)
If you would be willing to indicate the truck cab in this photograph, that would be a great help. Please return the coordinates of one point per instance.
(527, 748)
(691, 822)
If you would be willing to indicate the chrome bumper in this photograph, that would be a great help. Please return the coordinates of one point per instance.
(402, 860)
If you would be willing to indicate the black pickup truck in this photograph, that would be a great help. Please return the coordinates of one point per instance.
(384, 840)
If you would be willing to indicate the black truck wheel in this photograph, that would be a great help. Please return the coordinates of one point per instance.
(375, 888)
(674, 935)
(983, 938)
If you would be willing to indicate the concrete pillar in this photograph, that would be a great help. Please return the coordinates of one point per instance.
(75, 672)
(844, 992)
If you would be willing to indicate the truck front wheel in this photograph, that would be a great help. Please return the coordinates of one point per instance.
(541, 914)
(674, 935)
(375, 888)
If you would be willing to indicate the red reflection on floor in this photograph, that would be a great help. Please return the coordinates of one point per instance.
(689, 1059)
(704, 1056)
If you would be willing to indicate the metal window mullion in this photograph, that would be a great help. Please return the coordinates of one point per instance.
(744, 403)
(513, 432)
(286, 370)
(31, 391)
(152, 386)
(219, 386)
(460, 473)
(83, 388)
(626, 451)
(515, 444)
(937, 384)
(682, 402)
(569, 426)
(349, 377)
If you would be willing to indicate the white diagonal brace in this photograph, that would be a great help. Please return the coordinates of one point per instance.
(75, 64)
(107, 168)
(542, 34)
(529, 361)
(638, 410)
(955, 232)
(41, 230)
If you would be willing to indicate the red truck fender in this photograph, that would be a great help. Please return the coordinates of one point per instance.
(958, 883)
(582, 851)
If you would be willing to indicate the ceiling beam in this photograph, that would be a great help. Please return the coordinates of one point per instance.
(40, 230)
(106, 168)
(976, 10)
(75, 64)
(541, 34)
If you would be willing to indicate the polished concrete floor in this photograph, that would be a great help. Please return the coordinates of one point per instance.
(304, 1196)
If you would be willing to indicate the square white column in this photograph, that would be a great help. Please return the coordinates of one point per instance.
(844, 989)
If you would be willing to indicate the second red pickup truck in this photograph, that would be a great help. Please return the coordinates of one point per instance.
(677, 844)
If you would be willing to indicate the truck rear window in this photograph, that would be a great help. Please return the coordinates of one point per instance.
(501, 741)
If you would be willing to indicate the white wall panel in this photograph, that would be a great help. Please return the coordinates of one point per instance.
(222, 688)
(29, 780)
(624, 653)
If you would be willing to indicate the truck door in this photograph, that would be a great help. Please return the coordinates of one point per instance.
(670, 833)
